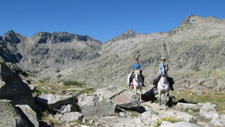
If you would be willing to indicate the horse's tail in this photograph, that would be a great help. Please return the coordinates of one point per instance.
(128, 79)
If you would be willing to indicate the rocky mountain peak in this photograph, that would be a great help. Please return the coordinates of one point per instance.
(128, 34)
(211, 17)
(41, 37)
(189, 22)
(11, 36)
(58, 37)
(189, 19)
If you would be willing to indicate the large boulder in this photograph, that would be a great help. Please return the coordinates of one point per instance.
(180, 116)
(208, 111)
(57, 103)
(126, 100)
(149, 117)
(185, 106)
(30, 114)
(218, 122)
(178, 124)
(186, 117)
(71, 116)
(10, 116)
(13, 88)
(96, 106)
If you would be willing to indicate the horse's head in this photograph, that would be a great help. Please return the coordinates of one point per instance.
(137, 76)
(164, 71)
(136, 73)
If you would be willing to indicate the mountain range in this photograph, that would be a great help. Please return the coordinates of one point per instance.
(196, 44)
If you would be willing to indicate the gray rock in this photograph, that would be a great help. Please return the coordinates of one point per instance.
(183, 106)
(178, 124)
(31, 115)
(147, 108)
(209, 125)
(187, 118)
(10, 116)
(66, 108)
(110, 92)
(96, 106)
(149, 116)
(13, 88)
(32, 87)
(202, 123)
(127, 100)
(208, 111)
(218, 122)
(71, 116)
(97, 124)
(57, 102)
(122, 115)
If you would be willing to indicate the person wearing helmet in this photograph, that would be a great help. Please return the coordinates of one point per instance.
(136, 66)
(163, 63)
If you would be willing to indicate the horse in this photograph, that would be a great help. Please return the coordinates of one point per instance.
(136, 82)
(163, 87)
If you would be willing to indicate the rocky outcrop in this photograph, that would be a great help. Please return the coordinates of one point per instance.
(10, 116)
(186, 106)
(30, 114)
(208, 111)
(57, 103)
(218, 122)
(72, 116)
(186, 117)
(13, 88)
(121, 97)
(96, 106)
(126, 99)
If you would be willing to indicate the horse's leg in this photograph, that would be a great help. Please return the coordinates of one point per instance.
(159, 94)
(166, 93)
(141, 93)
(135, 90)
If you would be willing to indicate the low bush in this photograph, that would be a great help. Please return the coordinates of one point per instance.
(74, 83)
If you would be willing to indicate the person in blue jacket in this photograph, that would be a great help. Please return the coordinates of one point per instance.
(170, 79)
(136, 66)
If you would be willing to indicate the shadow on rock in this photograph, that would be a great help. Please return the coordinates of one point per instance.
(149, 96)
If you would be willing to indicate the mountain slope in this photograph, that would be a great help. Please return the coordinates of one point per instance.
(48, 51)
(196, 43)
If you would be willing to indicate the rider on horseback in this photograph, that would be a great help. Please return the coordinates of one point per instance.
(161, 65)
(136, 66)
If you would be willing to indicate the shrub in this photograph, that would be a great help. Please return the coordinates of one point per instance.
(195, 68)
(74, 83)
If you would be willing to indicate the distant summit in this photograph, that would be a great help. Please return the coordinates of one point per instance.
(59, 37)
(128, 34)
(11, 37)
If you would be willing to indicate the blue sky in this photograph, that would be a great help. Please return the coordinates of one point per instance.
(101, 19)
